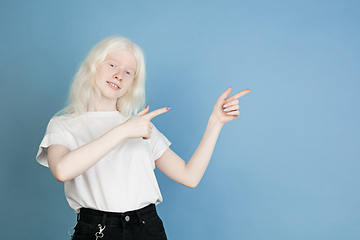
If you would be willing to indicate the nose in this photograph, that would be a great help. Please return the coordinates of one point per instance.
(117, 76)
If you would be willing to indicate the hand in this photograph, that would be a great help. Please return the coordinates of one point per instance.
(227, 109)
(139, 125)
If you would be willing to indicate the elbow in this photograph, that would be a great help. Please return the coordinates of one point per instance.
(60, 178)
(190, 181)
(59, 175)
(191, 184)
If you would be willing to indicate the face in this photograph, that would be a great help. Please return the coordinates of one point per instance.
(115, 75)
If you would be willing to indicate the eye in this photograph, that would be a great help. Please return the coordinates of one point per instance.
(112, 65)
(128, 73)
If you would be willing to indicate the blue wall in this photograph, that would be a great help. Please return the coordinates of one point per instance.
(287, 168)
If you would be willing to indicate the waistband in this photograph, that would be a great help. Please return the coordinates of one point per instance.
(139, 216)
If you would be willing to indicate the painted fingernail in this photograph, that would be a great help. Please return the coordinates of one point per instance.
(225, 105)
(168, 108)
(147, 106)
(226, 110)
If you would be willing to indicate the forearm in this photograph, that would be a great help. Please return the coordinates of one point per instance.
(195, 168)
(76, 162)
(190, 174)
(66, 165)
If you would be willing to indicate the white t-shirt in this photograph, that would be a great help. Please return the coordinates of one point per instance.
(124, 179)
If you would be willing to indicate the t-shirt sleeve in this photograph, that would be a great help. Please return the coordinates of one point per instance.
(54, 135)
(159, 143)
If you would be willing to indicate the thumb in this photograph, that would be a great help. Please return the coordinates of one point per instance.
(144, 111)
(225, 94)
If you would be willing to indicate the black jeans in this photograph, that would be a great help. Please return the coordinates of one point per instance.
(142, 224)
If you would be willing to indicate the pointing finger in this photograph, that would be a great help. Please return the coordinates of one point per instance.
(239, 94)
(157, 112)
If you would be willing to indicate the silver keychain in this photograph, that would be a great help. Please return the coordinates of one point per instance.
(71, 231)
(100, 233)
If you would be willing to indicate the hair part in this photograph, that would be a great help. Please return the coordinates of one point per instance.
(83, 92)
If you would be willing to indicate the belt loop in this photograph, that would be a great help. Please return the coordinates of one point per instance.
(122, 219)
(104, 219)
(139, 218)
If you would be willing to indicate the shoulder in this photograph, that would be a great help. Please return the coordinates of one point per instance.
(64, 121)
(157, 136)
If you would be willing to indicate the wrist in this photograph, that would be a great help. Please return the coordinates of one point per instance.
(215, 122)
(122, 132)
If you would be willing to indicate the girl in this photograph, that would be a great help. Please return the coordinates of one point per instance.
(105, 150)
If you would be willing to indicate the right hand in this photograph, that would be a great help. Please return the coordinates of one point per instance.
(139, 125)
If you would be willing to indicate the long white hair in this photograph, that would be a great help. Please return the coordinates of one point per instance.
(83, 91)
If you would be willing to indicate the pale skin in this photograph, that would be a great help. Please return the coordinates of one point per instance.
(66, 165)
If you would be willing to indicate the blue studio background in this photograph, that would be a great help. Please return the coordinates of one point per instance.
(287, 168)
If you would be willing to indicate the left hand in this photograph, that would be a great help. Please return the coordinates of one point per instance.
(227, 109)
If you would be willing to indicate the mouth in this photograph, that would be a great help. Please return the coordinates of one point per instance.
(113, 85)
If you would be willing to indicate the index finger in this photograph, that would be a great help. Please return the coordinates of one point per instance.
(156, 112)
(239, 94)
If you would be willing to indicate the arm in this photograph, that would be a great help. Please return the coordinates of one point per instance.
(66, 165)
(189, 174)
